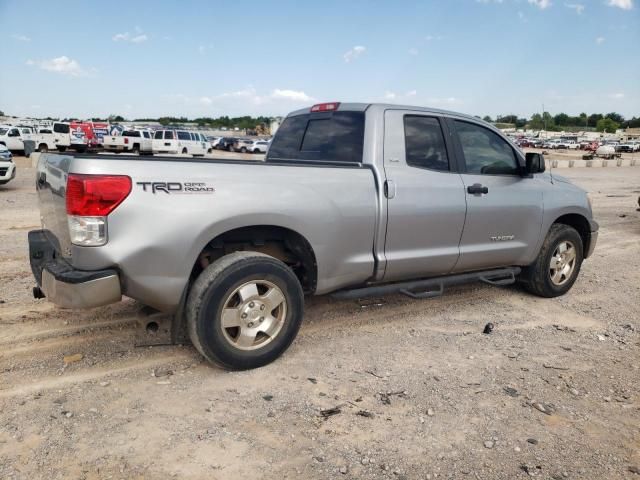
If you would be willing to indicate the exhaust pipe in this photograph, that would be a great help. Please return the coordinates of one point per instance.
(38, 293)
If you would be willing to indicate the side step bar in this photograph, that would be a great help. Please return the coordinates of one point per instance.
(432, 287)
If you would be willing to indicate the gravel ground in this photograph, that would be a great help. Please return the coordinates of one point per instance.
(389, 388)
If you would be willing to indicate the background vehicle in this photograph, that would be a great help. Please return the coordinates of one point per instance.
(628, 147)
(567, 144)
(258, 146)
(12, 138)
(243, 145)
(67, 138)
(135, 141)
(436, 198)
(165, 141)
(179, 141)
(551, 144)
(606, 151)
(44, 139)
(199, 145)
(226, 143)
(7, 167)
(214, 141)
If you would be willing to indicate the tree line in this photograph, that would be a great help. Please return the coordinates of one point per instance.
(609, 122)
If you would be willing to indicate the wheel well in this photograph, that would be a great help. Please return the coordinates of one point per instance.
(282, 243)
(581, 225)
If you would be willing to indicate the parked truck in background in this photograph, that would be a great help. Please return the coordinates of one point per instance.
(352, 199)
(7, 167)
(134, 141)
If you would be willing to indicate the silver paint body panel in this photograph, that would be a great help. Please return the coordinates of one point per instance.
(431, 227)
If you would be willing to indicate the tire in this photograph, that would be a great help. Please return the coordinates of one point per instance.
(537, 277)
(42, 148)
(217, 289)
(136, 149)
(184, 151)
(243, 150)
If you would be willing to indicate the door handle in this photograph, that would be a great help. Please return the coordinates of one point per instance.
(476, 189)
(389, 189)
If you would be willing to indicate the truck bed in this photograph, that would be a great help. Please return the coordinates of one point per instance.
(179, 204)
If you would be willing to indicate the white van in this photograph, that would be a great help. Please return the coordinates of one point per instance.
(178, 141)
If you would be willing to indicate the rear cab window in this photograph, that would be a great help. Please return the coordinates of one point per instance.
(322, 137)
(424, 143)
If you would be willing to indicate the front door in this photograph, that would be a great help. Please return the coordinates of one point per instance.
(425, 197)
(504, 209)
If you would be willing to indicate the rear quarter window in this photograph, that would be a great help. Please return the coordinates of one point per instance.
(332, 137)
(184, 136)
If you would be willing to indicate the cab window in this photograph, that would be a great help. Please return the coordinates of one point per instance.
(424, 143)
(485, 152)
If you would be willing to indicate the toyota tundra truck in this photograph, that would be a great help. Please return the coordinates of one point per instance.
(352, 200)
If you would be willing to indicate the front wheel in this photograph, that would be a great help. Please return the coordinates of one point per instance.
(557, 266)
(244, 310)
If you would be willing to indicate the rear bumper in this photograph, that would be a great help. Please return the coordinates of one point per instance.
(66, 286)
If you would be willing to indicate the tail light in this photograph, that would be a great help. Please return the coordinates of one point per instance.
(325, 107)
(90, 199)
(126, 140)
(96, 195)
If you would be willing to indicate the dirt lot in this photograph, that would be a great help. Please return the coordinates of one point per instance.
(422, 392)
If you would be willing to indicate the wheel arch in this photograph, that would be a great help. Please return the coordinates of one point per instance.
(580, 224)
(278, 241)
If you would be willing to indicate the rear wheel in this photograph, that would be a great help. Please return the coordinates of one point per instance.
(243, 150)
(42, 148)
(244, 310)
(136, 149)
(557, 266)
(184, 151)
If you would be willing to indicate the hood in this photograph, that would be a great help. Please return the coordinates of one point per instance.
(560, 178)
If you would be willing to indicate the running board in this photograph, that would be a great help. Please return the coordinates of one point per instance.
(432, 287)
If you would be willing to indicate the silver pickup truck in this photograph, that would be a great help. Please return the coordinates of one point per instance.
(352, 199)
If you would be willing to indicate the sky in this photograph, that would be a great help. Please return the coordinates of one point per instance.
(210, 58)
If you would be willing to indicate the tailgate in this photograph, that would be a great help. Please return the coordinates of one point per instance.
(51, 186)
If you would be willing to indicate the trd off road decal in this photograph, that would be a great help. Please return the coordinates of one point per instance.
(176, 187)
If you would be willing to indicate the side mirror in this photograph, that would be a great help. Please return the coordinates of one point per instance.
(534, 163)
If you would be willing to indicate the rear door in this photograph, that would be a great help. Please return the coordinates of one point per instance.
(425, 196)
(503, 224)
